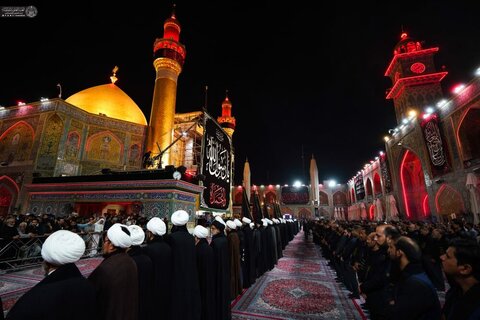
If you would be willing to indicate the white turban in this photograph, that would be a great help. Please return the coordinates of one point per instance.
(246, 220)
(62, 247)
(231, 225)
(265, 223)
(237, 222)
(200, 232)
(269, 221)
(219, 219)
(180, 217)
(157, 226)
(119, 236)
(137, 234)
(252, 225)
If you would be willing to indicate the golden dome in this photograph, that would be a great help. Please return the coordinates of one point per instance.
(110, 100)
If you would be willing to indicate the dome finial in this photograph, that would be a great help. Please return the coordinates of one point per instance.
(173, 10)
(114, 78)
(226, 94)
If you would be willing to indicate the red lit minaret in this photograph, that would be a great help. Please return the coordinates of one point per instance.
(169, 55)
(416, 81)
(226, 120)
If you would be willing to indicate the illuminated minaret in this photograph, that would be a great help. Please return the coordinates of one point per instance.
(169, 55)
(226, 120)
(314, 191)
(416, 81)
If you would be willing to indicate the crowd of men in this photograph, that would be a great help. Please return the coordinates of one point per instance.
(400, 267)
(149, 273)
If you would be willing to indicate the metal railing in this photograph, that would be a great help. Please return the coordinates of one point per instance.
(22, 253)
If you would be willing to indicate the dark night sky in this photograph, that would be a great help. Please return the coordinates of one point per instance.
(296, 75)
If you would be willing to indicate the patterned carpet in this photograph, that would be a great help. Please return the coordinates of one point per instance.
(301, 286)
(14, 285)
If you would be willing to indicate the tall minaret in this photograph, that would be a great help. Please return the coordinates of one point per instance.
(314, 191)
(226, 120)
(246, 178)
(169, 55)
(416, 81)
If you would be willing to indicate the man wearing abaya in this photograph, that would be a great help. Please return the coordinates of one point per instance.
(206, 272)
(161, 254)
(64, 293)
(185, 291)
(241, 237)
(248, 262)
(221, 256)
(234, 252)
(145, 272)
(115, 279)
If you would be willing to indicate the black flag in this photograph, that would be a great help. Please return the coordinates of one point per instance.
(246, 206)
(257, 209)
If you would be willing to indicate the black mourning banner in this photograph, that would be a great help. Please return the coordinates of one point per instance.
(359, 187)
(295, 195)
(435, 145)
(216, 165)
(387, 181)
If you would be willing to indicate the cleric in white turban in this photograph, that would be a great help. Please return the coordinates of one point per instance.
(200, 232)
(63, 282)
(238, 222)
(63, 247)
(180, 217)
(116, 277)
(119, 235)
(136, 234)
(231, 225)
(157, 226)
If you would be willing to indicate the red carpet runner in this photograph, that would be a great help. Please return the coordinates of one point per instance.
(301, 286)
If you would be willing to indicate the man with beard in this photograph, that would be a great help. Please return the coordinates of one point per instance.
(116, 279)
(461, 263)
(185, 292)
(376, 282)
(414, 297)
(160, 253)
(145, 272)
(221, 256)
(64, 293)
(206, 272)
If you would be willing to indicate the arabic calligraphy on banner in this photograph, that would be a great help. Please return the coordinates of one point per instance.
(359, 187)
(216, 165)
(435, 145)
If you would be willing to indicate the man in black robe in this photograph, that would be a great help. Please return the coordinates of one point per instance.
(234, 252)
(185, 291)
(64, 293)
(206, 272)
(116, 279)
(145, 272)
(219, 244)
(248, 262)
(161, 254)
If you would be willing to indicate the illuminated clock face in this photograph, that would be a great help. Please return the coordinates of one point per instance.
(417, 67)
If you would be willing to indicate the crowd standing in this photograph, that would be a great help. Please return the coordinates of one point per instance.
(148, 271)
(400, 267)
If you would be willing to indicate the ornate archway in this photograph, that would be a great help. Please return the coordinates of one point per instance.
(468, 135)
(369, 189)
(448, 201)
(8, 194)
(377, 184)
(323, 198)
(304, 214)
(413, 187)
